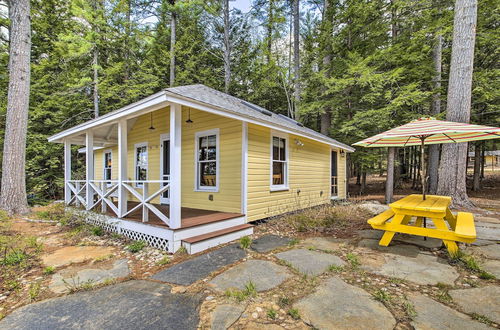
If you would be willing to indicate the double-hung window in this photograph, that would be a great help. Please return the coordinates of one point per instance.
(108, 156)
(141, 163)
(279, 162)
(207, 160)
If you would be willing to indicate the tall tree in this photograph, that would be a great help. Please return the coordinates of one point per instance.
(173, 38)
(13, 191)
(453, 166)
(227, 47)
(296, 56)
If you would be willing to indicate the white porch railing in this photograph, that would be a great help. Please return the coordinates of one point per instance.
(78, 189)
(145, 198)
(106, 190)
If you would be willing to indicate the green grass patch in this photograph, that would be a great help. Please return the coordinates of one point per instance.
(272, 314)
(294, 313)
(481, 318)
(245, 242)
(353, 260)
(486, 276)
(240, 295)
(382, 296)
(136, 246)
(163, 261)
(336, 268)
(49, 270)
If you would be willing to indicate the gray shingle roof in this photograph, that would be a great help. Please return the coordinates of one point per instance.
(210, 96)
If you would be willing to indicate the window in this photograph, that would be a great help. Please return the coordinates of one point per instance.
(207, 168)
(279, 163)
(141, 163)
(107, 166)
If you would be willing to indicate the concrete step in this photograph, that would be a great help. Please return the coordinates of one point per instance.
(206, 241)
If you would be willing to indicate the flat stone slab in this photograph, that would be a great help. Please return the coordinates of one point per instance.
(433, 315)
(430, 243)
(483, 301)
(325, 243)
(422, 268)
(482, 242)
(401, 249)
(310, 262)
(491, 251)
(492, 267)
(128, 305)
(68, 278)
(75, 254)
(480, 218)
(338, 305)
(225, 315)
(488, 231)
(268, 243)
(265, 275)
(192, 270)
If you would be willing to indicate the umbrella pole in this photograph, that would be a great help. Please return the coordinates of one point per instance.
(422, 174)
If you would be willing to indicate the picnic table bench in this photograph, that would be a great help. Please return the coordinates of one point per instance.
(449, 228)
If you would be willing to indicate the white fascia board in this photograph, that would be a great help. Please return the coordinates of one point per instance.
(151, 103)
(224, 113)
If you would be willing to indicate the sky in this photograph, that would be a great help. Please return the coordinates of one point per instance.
(243, 5)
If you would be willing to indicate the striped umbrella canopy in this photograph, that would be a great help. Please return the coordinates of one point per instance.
(429, 131)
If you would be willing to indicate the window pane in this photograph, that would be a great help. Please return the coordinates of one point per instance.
(275, 148)
(107, 174)
(202, 148)
(141, 173)
(208, 174)
(282, 149)
(278, 173)
(211, 152)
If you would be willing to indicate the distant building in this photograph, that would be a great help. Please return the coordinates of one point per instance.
(491, 159)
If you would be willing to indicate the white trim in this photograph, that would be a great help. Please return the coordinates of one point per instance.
(225, 113)
(89, 167)
(140, 145)
(148, 104)
(197, 135)
(161, 100)
(163, 137)
(110, 151)
(330, 174)
(284, 186)
(175, 168)
(122, 166)
(244, 167)
(67, 171)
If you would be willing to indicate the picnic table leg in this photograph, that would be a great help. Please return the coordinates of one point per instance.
(450, 245)
(452, 220)
(388, 235)
(419, 222)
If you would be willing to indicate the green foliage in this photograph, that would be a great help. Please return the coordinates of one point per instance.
(163, 261)
(240, 295)
(245, 242)
(353, 259)
(294, 313)
(272, 314)
(14, 257)
(97, 231)
(136, 246)
(49, 270)
(382, 296)
(34, 291)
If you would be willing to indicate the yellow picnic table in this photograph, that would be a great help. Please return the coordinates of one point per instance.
(449, 228)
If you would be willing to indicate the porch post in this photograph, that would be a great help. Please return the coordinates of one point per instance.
(122, 167)
(67, 170)
(89, 168)
(175, 165)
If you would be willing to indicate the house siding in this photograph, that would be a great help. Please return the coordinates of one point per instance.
(309, 173)
(227, 199)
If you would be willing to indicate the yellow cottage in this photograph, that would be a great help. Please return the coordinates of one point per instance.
(191, 166)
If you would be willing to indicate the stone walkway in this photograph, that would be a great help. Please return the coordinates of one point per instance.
(333, 300)
(129, 305)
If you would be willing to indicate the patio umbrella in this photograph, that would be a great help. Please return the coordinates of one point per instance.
(429, 131)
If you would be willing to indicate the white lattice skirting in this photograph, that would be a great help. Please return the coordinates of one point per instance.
(152, 235)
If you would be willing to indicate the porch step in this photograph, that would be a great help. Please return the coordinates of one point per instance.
(200, 243)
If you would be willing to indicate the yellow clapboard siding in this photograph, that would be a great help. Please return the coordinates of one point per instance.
(309, 172)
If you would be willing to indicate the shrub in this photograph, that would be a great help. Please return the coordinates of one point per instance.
(136, 246)
(245, 242)
(97, 231)
(49, 270)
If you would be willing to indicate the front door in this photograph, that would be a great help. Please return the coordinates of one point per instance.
(165, 165)
(334, 175)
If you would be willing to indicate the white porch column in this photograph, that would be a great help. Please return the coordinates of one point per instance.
(89, 167)
(122, 167)
(175, 165)
(67, 170)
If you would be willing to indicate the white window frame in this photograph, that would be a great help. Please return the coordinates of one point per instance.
(107, 151)
(136, 146)
(284, 186)
(197, 187)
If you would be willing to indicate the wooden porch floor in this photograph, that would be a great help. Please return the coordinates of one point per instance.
(189, 217)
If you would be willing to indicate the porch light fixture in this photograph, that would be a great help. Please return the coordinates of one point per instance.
(342, 153)
(151, 119)
(189, 121)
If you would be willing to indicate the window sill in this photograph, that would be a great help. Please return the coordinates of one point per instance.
(279, 188)
(214, 190)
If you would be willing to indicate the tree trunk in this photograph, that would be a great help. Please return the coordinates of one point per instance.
(13, 195)
(483, 159)
(476, 182)
(296, 56)
(227, 48)
(452, 169)
(436, 109)
(363, 183)
(173, 37)
(269, 28)
(389, 182)
(326, 116)
(95, 82)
